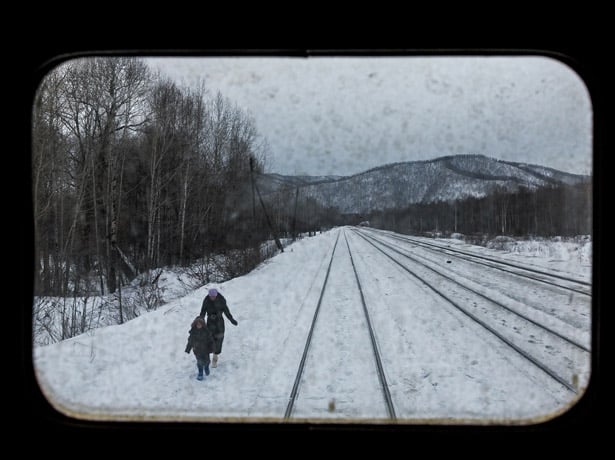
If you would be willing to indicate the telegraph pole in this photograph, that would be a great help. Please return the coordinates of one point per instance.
(260, 198)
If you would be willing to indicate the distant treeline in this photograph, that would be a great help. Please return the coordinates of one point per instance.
(131, 172)
(562, 210)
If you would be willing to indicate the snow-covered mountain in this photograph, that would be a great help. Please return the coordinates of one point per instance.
(446, 178)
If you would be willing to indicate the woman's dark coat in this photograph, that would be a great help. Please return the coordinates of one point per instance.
(214, 309)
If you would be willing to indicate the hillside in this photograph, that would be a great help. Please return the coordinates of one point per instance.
(446, 178)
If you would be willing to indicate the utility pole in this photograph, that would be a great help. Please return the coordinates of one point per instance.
(295, 214)
(252, 181)
(260, 198)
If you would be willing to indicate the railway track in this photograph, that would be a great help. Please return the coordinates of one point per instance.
(300, 377)
(562, 306)
(551, 351)
(564, 281)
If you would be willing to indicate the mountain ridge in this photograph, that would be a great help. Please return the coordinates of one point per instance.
(447, 178)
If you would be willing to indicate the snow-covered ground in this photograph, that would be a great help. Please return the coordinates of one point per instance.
(572, 255)
(440, 368)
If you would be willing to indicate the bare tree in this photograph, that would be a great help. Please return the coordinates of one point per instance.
(164, 161)
(123, 83)
(84, 112)
(47, 165)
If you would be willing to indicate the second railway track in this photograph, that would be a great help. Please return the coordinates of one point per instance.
(557, 355)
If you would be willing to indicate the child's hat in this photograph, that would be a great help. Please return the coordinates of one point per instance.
(198, 319)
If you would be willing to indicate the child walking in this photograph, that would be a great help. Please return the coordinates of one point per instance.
(201, 342)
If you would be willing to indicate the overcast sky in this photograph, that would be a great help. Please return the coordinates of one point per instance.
(344, 115)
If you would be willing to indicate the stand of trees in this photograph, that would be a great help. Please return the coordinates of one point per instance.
(131, 172)
(564, 210)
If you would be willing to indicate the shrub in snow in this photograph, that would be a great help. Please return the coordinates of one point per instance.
(502, 243)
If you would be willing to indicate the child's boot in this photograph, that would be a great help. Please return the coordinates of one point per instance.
(200, 376)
